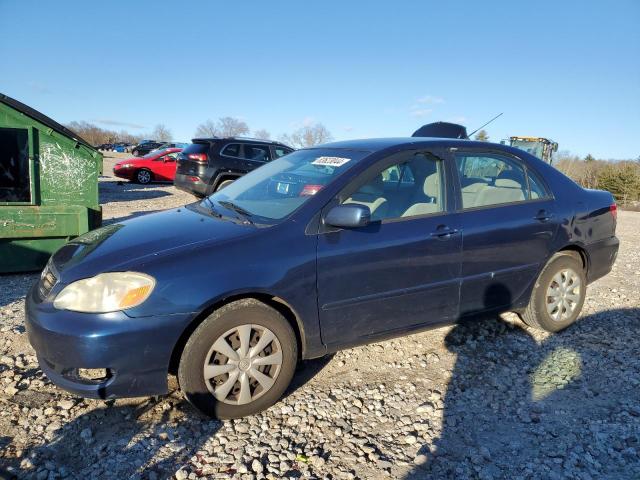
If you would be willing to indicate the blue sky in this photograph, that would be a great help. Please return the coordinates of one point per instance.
(567, 70)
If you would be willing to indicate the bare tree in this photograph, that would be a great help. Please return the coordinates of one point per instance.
(308, 136)
(262, 134)
(161, 133)
(96, 135)
(206, 129)
(224, 127)
(231, 127)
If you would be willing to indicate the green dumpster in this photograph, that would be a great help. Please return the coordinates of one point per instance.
(48, 186)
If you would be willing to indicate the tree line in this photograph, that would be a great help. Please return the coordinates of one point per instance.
(305, 136)
(621, 178)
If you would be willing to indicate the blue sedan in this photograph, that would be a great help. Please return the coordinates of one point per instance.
(320, 250)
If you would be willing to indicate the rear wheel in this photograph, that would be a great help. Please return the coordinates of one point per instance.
(239, 361)
(558, 295)
(224, 183)
(144, 177)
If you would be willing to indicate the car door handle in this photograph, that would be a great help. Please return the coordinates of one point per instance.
(444, 232)
(543, 216)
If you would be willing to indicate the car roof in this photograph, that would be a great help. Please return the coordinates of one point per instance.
(377, 144)
(239, 139)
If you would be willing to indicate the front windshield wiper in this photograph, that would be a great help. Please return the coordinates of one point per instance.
(238, 209)
(212, 208)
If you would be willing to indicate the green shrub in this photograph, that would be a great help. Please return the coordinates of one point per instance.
(622, 180)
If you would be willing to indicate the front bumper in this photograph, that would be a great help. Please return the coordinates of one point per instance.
(125, 173)
(134, 351)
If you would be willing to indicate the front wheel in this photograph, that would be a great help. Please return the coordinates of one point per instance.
(144, 177)
(238, 361)
(558, 295)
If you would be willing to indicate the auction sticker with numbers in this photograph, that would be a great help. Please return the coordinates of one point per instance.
(330, 161)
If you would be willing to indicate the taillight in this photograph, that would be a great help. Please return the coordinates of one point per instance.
(309, 190)
(198, 157)
(613, 208)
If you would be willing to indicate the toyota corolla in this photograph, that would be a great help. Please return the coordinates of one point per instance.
(323, 249)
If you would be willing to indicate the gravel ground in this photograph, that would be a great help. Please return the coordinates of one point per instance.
(488, 399)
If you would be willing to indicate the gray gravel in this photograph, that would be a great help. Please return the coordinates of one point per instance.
(488, 399)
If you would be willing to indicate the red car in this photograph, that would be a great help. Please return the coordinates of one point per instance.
(159, 165)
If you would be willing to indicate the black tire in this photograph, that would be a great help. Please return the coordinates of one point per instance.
(136, 153)
(198, 349)
(144, 176)
(224, 183)
(536, 314)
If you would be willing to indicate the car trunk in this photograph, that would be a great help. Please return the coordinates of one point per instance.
(194, 159)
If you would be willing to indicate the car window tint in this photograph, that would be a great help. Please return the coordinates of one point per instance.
(280, 151)
(259, 153)
(409, 188)
(275, 190)
(487, 179)
(231, 150)
(536, 186)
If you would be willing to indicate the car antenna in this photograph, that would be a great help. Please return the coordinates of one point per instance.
(469, 136)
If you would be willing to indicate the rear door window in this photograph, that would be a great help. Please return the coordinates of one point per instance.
(15, 181)
(536, 186)
(490, 179)
(231, 150)
(281, 151)
(257, 153)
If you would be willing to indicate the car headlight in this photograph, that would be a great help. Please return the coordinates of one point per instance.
(106, 292)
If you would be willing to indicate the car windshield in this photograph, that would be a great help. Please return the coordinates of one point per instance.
(155, 153)
(275, 190)
(534, 148)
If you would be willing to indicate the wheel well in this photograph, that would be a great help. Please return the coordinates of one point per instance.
(580, 252)
(222, 177)
(274, 302)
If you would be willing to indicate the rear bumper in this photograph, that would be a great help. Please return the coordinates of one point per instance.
(134, 352)
(191, 184)
(602, 256)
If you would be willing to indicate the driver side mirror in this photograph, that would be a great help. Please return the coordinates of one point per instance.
(352, 215)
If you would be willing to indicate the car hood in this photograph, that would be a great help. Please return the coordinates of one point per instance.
(132, 243)
(132, 161)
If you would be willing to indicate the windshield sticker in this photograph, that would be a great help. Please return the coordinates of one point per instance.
(330, 161)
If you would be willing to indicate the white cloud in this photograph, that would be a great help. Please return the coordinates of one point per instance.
(420, 112)
(348, 128)
(307, 121)
(117, 123)
(430, 100)
(39, 87)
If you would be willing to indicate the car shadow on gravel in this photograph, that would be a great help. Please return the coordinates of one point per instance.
(145, 441)
(113, 192)
(565, 407)
(15, 287)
